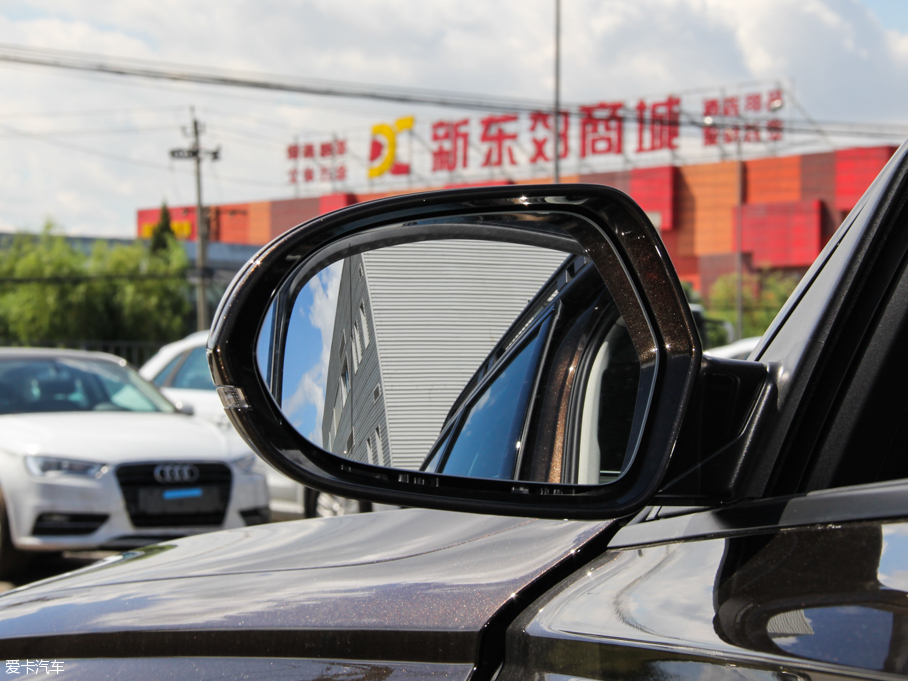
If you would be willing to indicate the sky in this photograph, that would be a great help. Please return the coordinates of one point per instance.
(309, 334)
(88, 150)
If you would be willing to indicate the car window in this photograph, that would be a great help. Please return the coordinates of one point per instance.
(488, 439)
(162, 376)
(194, 373)
(69, 384)
(431, 462)
(867, 435)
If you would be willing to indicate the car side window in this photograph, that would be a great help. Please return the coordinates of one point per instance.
(161, 378)
(194, 373)
(487, 442)
(865, 434)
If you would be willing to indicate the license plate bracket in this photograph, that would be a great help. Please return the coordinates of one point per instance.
(179, 500)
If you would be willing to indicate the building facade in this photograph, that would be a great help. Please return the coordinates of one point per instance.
(413, 323)
(787, 206)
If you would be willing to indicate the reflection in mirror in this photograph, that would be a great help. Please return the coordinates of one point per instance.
(463, 357)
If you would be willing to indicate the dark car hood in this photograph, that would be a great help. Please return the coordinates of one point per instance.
(405, 585)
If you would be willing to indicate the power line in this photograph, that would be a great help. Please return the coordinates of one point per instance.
(80, 61)
(87, 112)
(14, 132)
(91, 131)
(85, 150)
(88, 278)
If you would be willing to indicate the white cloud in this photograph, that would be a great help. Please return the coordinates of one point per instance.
(845, 64)
(310, 389)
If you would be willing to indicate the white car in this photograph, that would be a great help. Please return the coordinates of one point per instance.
(739, 349)
(180, 370)
(93, 456)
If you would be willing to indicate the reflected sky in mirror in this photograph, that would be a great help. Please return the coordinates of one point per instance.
(312, 328)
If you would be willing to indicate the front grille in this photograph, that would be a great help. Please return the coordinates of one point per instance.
(60, 524)
(201, 502)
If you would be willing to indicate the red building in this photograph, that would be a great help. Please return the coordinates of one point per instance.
(789, 207)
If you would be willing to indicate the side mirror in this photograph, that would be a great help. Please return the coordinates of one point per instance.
(514, 350)
(184, 408)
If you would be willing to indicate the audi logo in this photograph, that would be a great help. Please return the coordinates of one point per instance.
(170, 473)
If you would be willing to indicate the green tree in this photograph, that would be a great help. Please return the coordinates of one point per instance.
(162, 234)
(692, 295)
(115, 293)
(763, 296)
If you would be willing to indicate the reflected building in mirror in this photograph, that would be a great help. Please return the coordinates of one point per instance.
(413, 323)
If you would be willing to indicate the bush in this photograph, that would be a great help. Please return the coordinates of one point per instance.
(124, 293)
(763, 296)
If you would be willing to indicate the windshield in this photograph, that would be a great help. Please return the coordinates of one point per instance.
(37, 385)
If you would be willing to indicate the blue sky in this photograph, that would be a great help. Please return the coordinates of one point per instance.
(892, 13)
(309, 336)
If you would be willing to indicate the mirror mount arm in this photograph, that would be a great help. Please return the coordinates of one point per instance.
(723, 423)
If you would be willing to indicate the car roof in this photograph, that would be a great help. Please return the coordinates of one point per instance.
(163, 356)
(743, 346)
(62, 353)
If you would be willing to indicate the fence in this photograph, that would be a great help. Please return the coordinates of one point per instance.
(134, 352)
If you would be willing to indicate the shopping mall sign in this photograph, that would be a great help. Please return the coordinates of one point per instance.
(600, 136)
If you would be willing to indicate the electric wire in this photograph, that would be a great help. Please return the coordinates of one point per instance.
(81, 61)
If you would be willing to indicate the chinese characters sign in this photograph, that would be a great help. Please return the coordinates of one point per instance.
(502, 144)
(723, 116)
(324, 161)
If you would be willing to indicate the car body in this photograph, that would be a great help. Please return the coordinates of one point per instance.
(92, 456)
(739, 349)
(799, 574)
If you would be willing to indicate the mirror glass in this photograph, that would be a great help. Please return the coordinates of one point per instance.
(465, 357)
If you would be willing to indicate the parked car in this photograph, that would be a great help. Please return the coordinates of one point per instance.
(739, 349)
(93, 456)
(753, 526)
(180, 371)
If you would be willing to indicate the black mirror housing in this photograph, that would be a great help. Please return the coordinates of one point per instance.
(611, 231)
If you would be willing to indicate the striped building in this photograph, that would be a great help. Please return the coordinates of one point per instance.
(413, 323)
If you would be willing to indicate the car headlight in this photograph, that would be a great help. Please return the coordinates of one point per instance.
(247, 463)
(52, 466)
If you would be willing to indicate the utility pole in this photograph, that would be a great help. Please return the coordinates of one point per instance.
(196, 153)
(557, 116)
(739, 243)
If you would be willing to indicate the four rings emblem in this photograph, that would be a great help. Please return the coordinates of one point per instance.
(169, 473)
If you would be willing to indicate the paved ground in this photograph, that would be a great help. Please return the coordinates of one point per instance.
(42, 567)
